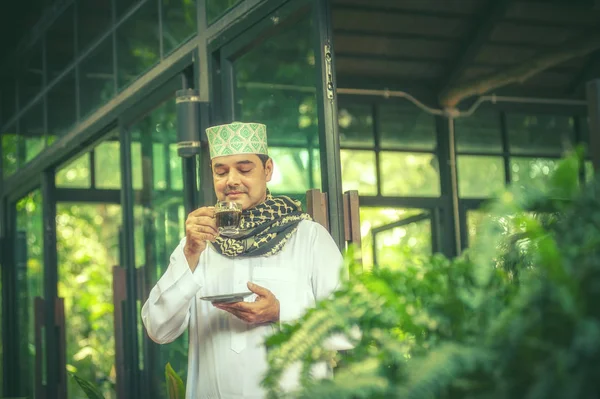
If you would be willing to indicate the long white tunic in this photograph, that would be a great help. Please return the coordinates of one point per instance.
(227, 357)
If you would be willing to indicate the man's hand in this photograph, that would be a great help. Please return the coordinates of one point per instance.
(199, 227)
(265, 309)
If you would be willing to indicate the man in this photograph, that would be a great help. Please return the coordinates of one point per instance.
(285, 259)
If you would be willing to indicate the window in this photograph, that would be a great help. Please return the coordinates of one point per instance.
(282, 95)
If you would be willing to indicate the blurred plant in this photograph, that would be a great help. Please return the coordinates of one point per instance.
(514, 316)
(175, 385)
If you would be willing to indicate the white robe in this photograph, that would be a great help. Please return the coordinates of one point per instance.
(227, 357)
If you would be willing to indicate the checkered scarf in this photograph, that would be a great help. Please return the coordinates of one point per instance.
(264, 229)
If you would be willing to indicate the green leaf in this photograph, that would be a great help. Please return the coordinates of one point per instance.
(175, 386)
(91, 391)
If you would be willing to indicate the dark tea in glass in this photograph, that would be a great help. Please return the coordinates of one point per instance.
(227, 217)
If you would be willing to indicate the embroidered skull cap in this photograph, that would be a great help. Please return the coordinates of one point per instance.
(237, 138)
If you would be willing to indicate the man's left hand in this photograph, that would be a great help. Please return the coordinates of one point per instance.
(265, 308)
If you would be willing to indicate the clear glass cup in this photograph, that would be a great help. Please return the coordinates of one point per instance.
(227, 217)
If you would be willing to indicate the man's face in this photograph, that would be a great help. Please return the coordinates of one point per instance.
(241, 178)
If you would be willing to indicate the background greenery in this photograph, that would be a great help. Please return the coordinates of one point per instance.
(515, 316)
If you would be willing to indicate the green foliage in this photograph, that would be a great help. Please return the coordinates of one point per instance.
(90, 390)
(515, 316)
(175, 385)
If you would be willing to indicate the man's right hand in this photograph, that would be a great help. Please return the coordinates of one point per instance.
(199, 227)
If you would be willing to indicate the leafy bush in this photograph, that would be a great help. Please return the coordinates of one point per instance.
(515, 316)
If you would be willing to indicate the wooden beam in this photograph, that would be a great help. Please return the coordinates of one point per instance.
(477, 35)
(519, 73)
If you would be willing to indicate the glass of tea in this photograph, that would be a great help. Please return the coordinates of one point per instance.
(227, 217)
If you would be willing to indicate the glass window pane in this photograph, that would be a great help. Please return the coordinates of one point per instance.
(137, 44)
(60, 43)
(31, 132)
(159, 169)
(31, 74)
(406, 127)
(179, 22)
(8, 100)
(29, 279)
(527, 171)
(409, 174)
(137, 173)
(62, 106)
(9, 151)
(539, 134)
(88, 247)
(107, 165)
(159, 224)
(480, 132)
(480, 177)
(394, 247)
(280, 94)
(96, 78)
(292, 170)
(356, 125)
(93, 19)
(216, 8)
(122, 6)
(176, 168)
(75, 174)
(359, 171)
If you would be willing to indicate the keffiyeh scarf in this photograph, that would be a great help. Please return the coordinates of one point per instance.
(264, 229)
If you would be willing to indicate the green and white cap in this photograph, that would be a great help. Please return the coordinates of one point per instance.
(237, 138)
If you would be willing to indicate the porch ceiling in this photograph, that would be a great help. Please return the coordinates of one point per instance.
(436, 44)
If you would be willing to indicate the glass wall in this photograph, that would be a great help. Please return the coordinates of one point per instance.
(159, 226)
(388, 151)
(73, 63)
(495, 147)
(88, 248)
(30, 282)
(282, 95)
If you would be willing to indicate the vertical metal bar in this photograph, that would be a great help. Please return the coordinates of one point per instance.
(377, 140)
(189, 164)
(454, 184)
(147, 381)
(505, 148)
(92, 167)
(579, 141)
(311, 161)
(593, 98)
(75, 50)
(331, 175)
(21, 145)
(44, 83)
(161, 44)
(208, 196)
(114, 46)
(374, 249)
(450, 243)
(53, 365)
(23, 316)
(130, 309)
(10, 358)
